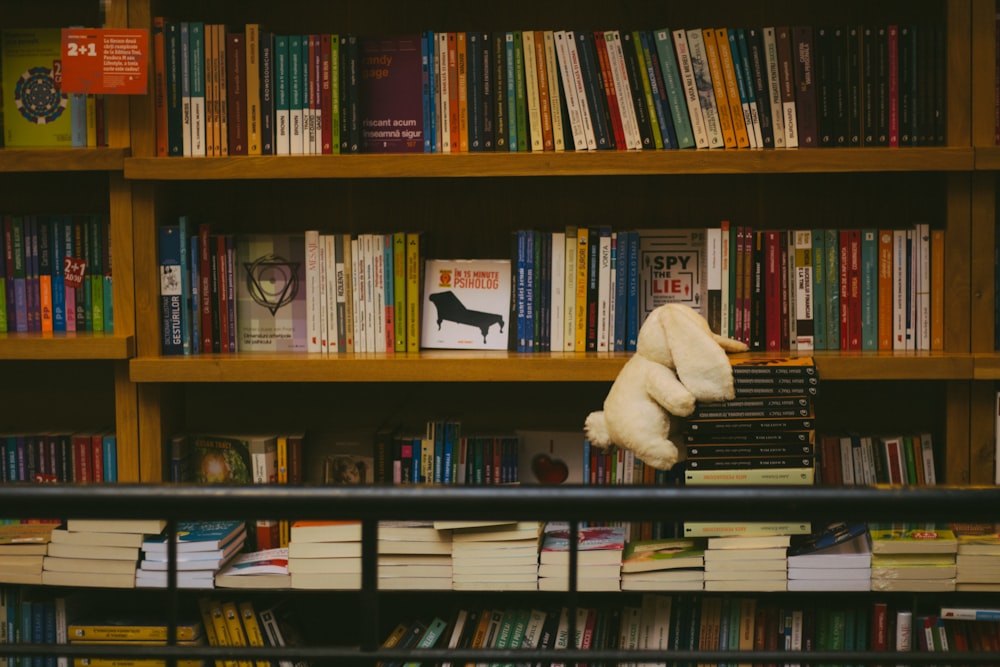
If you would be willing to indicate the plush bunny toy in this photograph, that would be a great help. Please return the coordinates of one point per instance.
(678, 361)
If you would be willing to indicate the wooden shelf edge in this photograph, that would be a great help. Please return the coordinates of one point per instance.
(987, 366)
(987, 158)
(62, 159)
(601, 163)
(462, 366)
(65, 346)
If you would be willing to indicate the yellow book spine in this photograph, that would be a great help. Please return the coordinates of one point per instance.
(254, 635)
(234, 626)
(204, 607)
(732, 88)
(719, 85)
(414, 277)
(582, 260)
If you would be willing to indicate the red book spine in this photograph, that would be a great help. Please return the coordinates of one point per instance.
(772, 291)
(854, 300)
(326, 99)
(601, 47)
(844, 283)
(82, 467)
(224, 323)
(785, 297)
(97, 457)
(893, 41)
(205, 286)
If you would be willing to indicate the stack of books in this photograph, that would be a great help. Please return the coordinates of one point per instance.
(325, 555)
(598, 559)
(499, 557)
(267, 568)
(765, 435)
(747, 563)
(664, 565)
(839, 558)
(978, 557)
(22, 551)
(202, 549)
(97, 552)
(413, 555)
(913, 558)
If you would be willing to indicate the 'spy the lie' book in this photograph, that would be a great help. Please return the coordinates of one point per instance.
(271, 293)
(673, 268)
(392, 116)
(466, 304)
(36, 111)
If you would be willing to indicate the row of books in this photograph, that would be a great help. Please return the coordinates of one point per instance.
(252, 91)
(683, 622)
(310, 292)
(866, 459)
(827, 289)
(59, 457)
(56, 273)
(29, 62)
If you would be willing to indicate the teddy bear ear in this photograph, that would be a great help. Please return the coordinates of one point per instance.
(700, 361)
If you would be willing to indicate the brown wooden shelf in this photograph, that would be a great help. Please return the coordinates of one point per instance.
(61, 159)
(601, 163)
(987, 158)
(986, 366)
(62, 346)
(463, 366)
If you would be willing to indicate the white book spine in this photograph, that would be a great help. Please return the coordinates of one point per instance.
(324, 281)
(312, 291)
(923, 242)
(557, 329)
(899, 280)
(334, 291)
(612, 298)
(357, 289)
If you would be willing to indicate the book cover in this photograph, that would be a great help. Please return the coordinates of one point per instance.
(391, 94)
(466, 304)
(595, 545)
(550, 457)
(271, 293)
(36, 111)
(907, 540)
(663, 554)
(673, 267)
(220, 459)
(194, 536)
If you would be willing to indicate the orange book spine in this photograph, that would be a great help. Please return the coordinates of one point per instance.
(732, 88)
(726, 120)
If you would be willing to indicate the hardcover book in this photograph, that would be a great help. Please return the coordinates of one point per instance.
(466, 304)
(271, 293)
(391, 94)
(36, 111)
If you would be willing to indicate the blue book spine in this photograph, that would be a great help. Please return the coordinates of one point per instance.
(427, 89)
(543, 280)
(632, 322)
(185, 268)
(619, 262)
(656, 89)
(437, 431)
(170, 289)
(10, 461)
(20, 274)
(448, 454)
(819, 290)
(110, 457)
(521, 245)
(474, 93)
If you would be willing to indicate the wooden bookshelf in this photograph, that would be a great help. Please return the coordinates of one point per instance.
(62, 159)
(72, 345)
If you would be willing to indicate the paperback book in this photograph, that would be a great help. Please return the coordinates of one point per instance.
(271, 293)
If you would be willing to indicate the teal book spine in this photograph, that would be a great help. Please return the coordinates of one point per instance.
(674, 89)
(832, 245)
(869, 289)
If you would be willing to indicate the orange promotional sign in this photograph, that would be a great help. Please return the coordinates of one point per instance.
(109, 61)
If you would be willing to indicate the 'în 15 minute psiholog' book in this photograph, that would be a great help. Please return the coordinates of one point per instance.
(466, 304)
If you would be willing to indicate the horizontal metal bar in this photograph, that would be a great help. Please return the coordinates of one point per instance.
(592, 503)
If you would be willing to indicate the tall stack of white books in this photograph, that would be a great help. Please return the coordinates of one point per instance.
(978, 557)
(97, 552)
(413, 555)
(325, 555)
(495, 557)
(838, 559)
(747, 563)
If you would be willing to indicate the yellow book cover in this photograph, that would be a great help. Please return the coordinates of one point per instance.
(209, 626)
(254, 634)
(217, 617)
(582, 264)
(36, 111)
(234, 626)
(414, 289)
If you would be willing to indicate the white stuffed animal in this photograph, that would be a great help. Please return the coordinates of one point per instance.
(678, 361)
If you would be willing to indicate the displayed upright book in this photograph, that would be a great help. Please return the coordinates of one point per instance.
(673, 268)
(391, 96)
(271, 293)
(550, 457)
(466, 304)
(36, 111)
